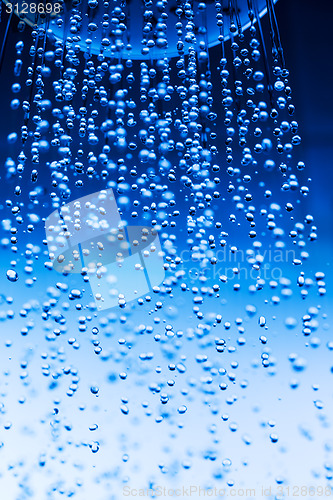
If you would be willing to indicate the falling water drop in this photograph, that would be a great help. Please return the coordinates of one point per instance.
(12, 275)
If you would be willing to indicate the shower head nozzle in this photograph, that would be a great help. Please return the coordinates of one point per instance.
(141, 29)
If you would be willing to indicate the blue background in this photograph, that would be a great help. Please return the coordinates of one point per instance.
(201, 447)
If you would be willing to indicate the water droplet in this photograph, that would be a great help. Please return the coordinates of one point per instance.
(12, 275)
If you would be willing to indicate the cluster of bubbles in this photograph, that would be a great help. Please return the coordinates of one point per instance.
(201, 147)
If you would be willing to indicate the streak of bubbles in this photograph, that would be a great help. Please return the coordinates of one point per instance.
(197, 142)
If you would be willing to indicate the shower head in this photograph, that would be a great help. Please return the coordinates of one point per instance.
(141, 29)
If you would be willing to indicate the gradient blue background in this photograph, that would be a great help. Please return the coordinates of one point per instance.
(158, 451)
